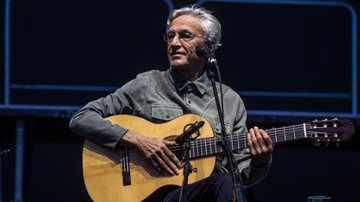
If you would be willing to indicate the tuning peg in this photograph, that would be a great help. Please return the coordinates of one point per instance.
(317, 143)
(337, 144)
(327, 143)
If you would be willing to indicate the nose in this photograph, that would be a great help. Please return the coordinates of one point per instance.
(175, 40)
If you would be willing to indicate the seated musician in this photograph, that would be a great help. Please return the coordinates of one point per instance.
(184, 88)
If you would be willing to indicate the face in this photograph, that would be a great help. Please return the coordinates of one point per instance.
(184, 35)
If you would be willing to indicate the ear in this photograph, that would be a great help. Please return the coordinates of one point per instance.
(212, 42)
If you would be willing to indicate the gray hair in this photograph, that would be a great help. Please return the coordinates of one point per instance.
(210, 25)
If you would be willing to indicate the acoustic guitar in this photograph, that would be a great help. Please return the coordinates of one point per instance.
(125, 175)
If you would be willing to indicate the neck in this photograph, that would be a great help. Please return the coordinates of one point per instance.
(191, 72)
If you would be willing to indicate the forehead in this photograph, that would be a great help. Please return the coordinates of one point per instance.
(186, 22)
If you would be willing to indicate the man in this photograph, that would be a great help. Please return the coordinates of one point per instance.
(160, 96)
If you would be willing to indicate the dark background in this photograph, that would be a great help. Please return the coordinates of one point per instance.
(58, 47)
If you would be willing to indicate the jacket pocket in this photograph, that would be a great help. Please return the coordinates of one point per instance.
(166, 112)
(216, 126)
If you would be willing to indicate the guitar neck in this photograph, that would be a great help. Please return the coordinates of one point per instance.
(288, 133)
(212, 145)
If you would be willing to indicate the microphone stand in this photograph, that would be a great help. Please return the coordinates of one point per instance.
(237, 182)
(187, 171)
(182, 139)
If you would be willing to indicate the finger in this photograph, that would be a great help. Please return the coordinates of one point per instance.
(173, 158)
(266, 139)
(265, 142)
(249, 142)
(156, 165)
(169, 143)
(252, 142)
(172, 166)
(162, 164)
(254, 139)
(260, 139)
(170, 153)
(167, 157)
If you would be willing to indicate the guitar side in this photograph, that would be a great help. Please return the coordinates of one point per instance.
(102, 168)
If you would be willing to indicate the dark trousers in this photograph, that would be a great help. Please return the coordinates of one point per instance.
(217, 187)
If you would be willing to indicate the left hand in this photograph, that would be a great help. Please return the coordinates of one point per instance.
(260, 146)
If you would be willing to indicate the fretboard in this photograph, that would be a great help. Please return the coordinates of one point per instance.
(212, 146)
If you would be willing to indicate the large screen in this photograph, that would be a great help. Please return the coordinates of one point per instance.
(283, 58)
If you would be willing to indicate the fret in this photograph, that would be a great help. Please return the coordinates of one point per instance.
(197, 150)
(206, 148)
(212, 146)
(238, 143)
(244, 139)
(208, 145)
(215, 145)
(219, 145)
(191, 154)
(275, 136)
(294, 132)
(284, 133)
(193, 149)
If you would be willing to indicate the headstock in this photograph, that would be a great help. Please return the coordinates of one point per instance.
(330, 130)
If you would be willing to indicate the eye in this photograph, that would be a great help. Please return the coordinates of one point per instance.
(170, 36)
(185, 35)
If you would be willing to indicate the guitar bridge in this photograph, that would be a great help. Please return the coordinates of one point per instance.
(125, 166)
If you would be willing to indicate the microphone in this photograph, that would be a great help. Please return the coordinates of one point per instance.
(203, 51)
(3, 152)
(194, 128)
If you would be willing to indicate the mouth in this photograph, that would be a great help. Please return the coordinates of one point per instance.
(177, 53)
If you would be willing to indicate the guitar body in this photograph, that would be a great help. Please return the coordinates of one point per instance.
(125, 175)
(102, 169)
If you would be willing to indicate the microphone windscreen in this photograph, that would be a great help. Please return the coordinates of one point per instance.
(203, 51)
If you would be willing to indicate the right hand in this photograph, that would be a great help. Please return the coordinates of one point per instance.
(155, 150)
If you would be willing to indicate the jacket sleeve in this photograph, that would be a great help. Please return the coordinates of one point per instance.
(89, 121)
(249, 173)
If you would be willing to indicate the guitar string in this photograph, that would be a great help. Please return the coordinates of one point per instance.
(285, 133)
(281, 134)
(209, 141)
(240, 138)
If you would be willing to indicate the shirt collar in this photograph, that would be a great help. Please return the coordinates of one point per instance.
(180, 83)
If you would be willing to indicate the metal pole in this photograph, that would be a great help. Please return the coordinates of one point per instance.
(7, 52)
(1, 195)
(19, 160)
